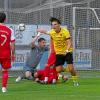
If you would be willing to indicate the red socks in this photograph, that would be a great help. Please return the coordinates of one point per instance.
(4, 78)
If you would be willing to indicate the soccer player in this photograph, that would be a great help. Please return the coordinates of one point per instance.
(7, 49)
(40, 75)
(62, 46)
(50, 62)
(34, 57)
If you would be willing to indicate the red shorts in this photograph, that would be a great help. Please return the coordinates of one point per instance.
(5, 63)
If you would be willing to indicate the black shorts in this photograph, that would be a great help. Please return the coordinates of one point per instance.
(61, 59)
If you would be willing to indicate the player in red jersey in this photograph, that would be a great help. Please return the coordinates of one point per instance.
(7, 49)
(50, 63)
(40, 75)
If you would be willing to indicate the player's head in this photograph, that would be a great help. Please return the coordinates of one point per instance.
(35, 74)
(41, 42)
(55, 23)
(2, 17)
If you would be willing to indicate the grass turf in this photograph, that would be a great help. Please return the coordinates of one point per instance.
(89, 89)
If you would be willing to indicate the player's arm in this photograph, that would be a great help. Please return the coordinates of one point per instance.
(12, 51)
(68, 40)
(32, 44)
(12, 46)
(43, 31)
(69, 44)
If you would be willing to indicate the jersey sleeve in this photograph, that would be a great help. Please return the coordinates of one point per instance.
(12, 36)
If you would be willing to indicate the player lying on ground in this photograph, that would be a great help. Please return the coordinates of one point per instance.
(34, 57)
(62, 46)
(50, 62)
(52, 76)
(7, 50)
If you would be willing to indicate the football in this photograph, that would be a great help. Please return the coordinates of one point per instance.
(21, 27)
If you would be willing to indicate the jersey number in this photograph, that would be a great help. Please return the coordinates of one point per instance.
(5, 39)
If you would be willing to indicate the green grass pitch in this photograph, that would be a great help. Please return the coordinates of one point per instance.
(89, 89)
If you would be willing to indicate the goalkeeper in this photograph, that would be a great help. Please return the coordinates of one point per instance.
(33, 58)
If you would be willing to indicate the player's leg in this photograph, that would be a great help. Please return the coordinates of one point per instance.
(69, 59)
(60, 59)
(6, 64)
(50, 62)
(27, 74)
(4, 79)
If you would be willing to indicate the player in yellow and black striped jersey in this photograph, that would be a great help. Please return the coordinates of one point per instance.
(62, 46)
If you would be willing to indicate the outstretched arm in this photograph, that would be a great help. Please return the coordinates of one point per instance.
(12, 51)
(43, 31)
(32, 44)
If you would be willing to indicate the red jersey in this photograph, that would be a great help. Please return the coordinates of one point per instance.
(6, 37)
(51, 75)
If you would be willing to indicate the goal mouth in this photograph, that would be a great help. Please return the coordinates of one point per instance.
(86, 41)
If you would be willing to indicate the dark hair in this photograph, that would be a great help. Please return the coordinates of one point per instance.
(41, 39)
(52, 19)
(2, 17)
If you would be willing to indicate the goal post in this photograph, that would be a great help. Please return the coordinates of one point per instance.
(86, 41)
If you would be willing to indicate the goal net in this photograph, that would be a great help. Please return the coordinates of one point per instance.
(86, 38)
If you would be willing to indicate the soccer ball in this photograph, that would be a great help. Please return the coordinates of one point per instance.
(21, 27)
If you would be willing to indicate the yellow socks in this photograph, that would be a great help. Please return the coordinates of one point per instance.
(74, 78)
